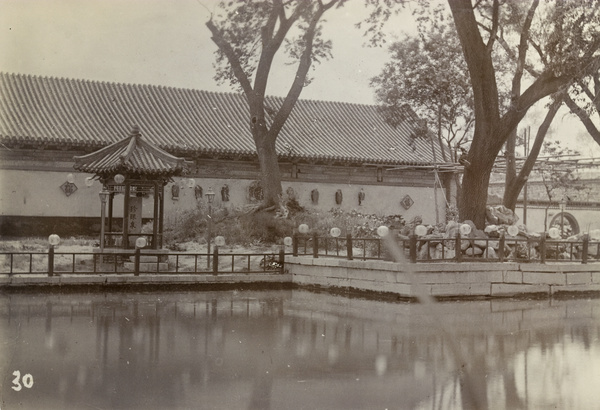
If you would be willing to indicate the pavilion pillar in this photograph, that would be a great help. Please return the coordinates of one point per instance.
(155, 239)
(126, 216)
(161, 217)
(111, 198)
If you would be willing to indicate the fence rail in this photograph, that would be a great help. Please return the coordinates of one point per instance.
(135, 262)
(457, 249)
(416, 250)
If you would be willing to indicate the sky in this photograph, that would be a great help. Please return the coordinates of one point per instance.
(166, 42)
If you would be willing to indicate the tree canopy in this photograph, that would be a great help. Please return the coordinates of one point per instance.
(427, 72)
(249, 35)
(565, 39)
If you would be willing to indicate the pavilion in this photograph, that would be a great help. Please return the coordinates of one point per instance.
(136, 169)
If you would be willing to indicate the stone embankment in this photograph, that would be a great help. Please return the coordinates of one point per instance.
(472, 279)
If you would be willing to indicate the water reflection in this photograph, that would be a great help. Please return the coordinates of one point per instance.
(294, 350)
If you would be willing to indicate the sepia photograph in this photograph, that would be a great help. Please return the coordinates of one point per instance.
(299, 204)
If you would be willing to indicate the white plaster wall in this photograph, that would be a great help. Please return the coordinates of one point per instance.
(379, 199)
(38, 193)
(586, 218)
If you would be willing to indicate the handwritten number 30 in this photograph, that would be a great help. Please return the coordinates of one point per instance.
(27, 381)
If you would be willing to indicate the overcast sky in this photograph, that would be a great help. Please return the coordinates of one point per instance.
(165, 42)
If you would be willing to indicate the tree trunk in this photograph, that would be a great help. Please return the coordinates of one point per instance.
(269, 170)
(474, 191)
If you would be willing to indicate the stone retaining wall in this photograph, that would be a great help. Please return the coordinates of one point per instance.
(445, 279)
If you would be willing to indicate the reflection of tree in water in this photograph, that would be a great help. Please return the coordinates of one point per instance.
(161, 351)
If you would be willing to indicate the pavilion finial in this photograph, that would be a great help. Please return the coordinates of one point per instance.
(135, 130)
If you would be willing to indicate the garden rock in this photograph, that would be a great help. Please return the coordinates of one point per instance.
(474, 251)
(491, 253)
(500, 215)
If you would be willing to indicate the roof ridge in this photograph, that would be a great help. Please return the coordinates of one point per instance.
(161, 86)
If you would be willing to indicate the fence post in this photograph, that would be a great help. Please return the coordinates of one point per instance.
(281, 259)
(413, 248)
(295, 244)
(51, 260)
(501, 245)
(458, 247)
(349, 247)
(584, 251)
(542, 247)
(136, 263)
(315, 245)
(215, 267)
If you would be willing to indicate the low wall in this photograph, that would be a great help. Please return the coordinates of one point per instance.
(445, 279)
(154, 281)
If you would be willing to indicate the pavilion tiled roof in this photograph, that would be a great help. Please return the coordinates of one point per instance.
(131, 155)
(87, 115)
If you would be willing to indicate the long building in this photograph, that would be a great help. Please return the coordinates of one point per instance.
(331, 154)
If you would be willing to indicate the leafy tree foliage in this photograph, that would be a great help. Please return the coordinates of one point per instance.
(249, 35)
(427, 73)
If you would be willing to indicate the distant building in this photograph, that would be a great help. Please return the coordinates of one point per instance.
(332, 155)
(578, 206)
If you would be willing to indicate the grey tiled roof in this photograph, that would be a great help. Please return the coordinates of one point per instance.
(88, 115)
(131, 155)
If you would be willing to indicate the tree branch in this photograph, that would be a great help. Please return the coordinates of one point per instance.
(272, 44)
(511, 54)
(584, 118)
(303, 67)
(494, 31)
(537, 143)
(516, 82)
(539, 50)
(225, 47)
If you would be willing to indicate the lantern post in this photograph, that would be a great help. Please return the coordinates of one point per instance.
(210, 196)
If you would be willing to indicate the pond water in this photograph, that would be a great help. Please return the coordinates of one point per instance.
(294, 349)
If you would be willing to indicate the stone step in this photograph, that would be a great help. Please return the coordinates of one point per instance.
(147, 266)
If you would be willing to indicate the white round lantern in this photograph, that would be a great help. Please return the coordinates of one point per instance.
(191, 183)
(554, 233)
(219, 240)
(420, 230)
(54, 239)
(140, 242)
(70, 178)
(303, 228)
(89, 181)
(512, 230)
(119, 178)
(287, 241)
(335, 232)
(383, 231)
(465, 229)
